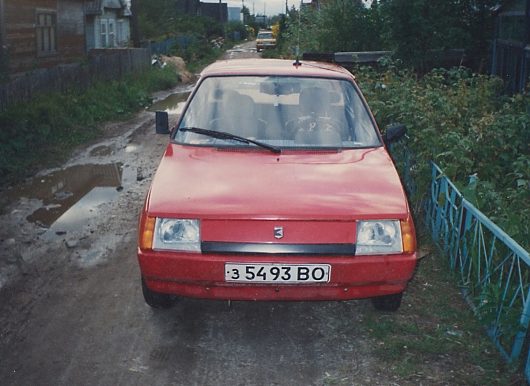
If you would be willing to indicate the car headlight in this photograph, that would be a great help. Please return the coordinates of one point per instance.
(177, 235)
(378, 237)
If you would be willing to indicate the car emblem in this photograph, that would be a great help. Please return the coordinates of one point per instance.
(278, 232)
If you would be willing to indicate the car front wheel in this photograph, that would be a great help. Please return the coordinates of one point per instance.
(156, 299)
(388, 303)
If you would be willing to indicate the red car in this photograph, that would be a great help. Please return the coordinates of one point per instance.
(277, 185)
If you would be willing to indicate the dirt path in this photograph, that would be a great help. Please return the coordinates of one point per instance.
(242, 51)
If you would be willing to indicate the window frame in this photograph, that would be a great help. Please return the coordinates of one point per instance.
(107, 33)
(46, 32)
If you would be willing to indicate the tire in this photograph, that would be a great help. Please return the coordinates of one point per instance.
(156, 299)
(388, 303)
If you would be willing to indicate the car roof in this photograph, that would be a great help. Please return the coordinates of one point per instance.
(278, 67)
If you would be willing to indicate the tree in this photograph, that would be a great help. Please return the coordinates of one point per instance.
(417, 29)
(156, 17)
(346, 26)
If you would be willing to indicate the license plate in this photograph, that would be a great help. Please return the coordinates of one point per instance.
(277, 273)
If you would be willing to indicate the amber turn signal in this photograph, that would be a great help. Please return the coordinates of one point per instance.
(147, 232)
(408, 235)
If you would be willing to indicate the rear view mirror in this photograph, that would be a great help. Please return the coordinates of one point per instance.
(279, 88)
(162, 122)
(394, 133)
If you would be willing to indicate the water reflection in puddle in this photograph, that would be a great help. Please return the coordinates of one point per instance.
(173, 104)
(70, 196)
(75, 218)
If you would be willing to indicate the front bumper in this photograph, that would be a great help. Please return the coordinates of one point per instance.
(200, 275)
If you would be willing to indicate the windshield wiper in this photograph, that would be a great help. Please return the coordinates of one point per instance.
(229, 136)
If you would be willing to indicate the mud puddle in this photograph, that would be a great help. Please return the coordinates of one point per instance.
(72, 195)
(173, 104)
(241, 51)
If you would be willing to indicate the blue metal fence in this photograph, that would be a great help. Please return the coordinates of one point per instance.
(494, 270)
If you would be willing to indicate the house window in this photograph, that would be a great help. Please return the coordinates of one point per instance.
(104, 34)
(120, 34)
(46, 29)
(112, 33)
(108, 33)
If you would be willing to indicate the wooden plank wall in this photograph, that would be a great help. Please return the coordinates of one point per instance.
(20, 33)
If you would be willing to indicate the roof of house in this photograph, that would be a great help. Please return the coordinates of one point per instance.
(96, 7)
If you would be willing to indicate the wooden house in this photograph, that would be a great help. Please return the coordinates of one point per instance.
(511, 45)
(41, 33)
(107, 24)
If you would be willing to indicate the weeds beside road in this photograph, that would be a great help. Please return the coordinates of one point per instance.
(44, 131)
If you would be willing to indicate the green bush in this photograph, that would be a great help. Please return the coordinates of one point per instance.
(461, 121)
(198, 54)
(44, 130)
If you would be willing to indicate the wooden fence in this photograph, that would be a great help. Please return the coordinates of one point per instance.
(511, 61)
(102, 65)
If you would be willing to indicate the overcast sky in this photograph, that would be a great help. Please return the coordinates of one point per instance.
(270, 7)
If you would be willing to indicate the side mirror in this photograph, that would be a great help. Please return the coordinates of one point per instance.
(162, 122)
(394, 133)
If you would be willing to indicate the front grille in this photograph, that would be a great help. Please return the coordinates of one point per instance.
(277, 249)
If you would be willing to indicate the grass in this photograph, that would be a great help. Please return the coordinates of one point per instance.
(434, 338)
(44, 131)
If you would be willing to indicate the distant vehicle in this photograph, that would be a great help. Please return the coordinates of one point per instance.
(265, 39)
(276, 185)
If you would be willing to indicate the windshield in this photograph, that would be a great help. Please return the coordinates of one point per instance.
(265, 35)
(285, 112)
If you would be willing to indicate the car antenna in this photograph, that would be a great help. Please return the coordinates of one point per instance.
(297, 61)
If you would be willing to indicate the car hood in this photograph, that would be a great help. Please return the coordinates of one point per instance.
(204, 182)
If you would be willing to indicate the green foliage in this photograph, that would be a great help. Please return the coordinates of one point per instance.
(236, 26)
(417, 29)
(156, 17)
(462, 122)
(45, 129)
(340, 25)
(301, 31)
(198, 54)
(197, 26)
(353, 28)
(159, 20)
